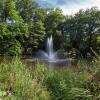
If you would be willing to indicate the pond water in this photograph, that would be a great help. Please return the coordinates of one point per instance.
(30, 61)
(50, 57)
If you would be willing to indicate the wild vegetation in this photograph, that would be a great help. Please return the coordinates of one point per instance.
(21, 82)
(24, 27)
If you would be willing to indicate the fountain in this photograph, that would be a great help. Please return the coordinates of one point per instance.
(49, 48)
(50, 56)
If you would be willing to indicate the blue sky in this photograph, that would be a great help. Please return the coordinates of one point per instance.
(70, 6)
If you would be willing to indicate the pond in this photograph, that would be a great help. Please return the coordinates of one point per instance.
(51, 57)
(31, 61)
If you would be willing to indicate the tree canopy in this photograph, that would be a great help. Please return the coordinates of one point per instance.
(24, 27)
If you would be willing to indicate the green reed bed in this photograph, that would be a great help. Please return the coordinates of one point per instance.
(19, 82)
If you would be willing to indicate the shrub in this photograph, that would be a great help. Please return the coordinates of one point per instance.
(15, 48)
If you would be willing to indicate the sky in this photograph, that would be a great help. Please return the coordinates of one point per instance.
(69, 7)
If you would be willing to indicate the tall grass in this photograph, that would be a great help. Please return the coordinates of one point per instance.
(19, 82)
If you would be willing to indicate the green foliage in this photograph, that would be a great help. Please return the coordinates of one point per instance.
(37, 35)
(62, 85)
(15, 78)
(53, 19)
(15, 48)
(83, 30)
(10, 11)
(26, 9)
(3, 29)
(98, 38)
(19, 81)
(24, 21)
(18, 29)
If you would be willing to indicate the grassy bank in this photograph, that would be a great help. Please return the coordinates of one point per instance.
(21, 82)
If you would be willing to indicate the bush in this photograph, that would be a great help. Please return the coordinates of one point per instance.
(15, 48)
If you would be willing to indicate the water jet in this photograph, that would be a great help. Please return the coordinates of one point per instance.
(50, 56)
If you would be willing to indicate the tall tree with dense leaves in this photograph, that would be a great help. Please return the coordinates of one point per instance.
(83, 29)
(15, 26)
(53, 19)
(26, 9)
(37, 29)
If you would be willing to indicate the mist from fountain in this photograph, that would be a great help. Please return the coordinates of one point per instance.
(51, 57)
(50, 54)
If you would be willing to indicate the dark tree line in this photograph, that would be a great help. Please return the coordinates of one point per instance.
(83, 31)
(24, 27)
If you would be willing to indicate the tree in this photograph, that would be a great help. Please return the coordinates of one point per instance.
(83, 29)
(12, 28)
(26, 9)
(37, 30)
(1, 9)
(53, 19)
(10, 12)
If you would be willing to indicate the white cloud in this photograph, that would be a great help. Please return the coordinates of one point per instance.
(73, 8)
